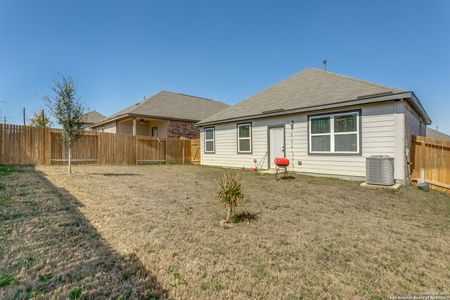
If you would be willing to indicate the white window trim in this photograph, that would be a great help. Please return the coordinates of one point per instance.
(244, 138)
(332, 133)
(209, 140)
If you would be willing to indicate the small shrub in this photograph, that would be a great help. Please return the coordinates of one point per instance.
(230, 193)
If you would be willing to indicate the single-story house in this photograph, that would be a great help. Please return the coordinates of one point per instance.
(323, 122)
(165, 114)
(436, 134)
(92, 117)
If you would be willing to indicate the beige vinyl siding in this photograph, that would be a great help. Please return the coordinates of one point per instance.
(381, 129)
(162, 127)
(413, 126)
(108, 127)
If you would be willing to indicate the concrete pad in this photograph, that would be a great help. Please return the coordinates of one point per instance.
(396, 186)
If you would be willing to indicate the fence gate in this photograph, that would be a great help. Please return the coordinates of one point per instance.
(150, 150)
(195, 151)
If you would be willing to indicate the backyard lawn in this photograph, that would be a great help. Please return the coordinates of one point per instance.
(155, 231)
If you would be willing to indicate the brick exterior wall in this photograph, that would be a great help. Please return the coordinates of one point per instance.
(185, 129)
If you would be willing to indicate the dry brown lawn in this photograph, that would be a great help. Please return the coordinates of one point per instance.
(48, 250)
(313, 237)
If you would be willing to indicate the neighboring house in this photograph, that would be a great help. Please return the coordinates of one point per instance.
(165, 114)
(323, 122)
(438, 135)
(92, 117)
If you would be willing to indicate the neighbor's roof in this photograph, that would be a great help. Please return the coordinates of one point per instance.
(169, 105)
(438, 135)
(93, 117)
(310, 89)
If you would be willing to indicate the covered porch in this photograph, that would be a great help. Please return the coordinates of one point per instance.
(142, 126)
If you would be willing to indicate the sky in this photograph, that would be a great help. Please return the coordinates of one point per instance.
(119, 52)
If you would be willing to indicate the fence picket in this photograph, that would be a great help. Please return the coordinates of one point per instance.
(24, 145)
(431, 162)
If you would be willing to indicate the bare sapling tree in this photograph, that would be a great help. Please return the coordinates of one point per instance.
(68, 112)
(230, 193)
(40, 119)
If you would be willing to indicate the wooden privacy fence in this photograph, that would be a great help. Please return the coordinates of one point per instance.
(431, 162)
(25, 145)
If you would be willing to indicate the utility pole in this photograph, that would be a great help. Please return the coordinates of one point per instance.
(24, 122)
(324, 64)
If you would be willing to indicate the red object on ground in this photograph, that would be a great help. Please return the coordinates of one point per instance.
(253, 169)
(281, 161)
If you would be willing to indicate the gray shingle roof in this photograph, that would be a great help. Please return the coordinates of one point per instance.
(438, 135)
(309, 88)
(174, 106)
(93, 117)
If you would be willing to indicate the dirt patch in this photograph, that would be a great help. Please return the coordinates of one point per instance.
(312, 237)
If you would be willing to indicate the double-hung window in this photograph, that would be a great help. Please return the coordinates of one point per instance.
(244, 138)
(335, 133)
(209, 140)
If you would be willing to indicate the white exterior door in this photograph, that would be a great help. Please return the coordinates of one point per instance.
(276, 144)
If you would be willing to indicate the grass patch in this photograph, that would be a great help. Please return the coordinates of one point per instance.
(204, 286)
(45, 277)
(5, 201)
(35, 294)
(283, 242)
(218, 287)
(76, 293)
(176, 277)
(18, 265)
(7, 279)
(31, 205)
(6, 170)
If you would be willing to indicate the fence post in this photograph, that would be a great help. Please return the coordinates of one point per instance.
(2, 159)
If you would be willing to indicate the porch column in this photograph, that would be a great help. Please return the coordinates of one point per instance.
(134, 126)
